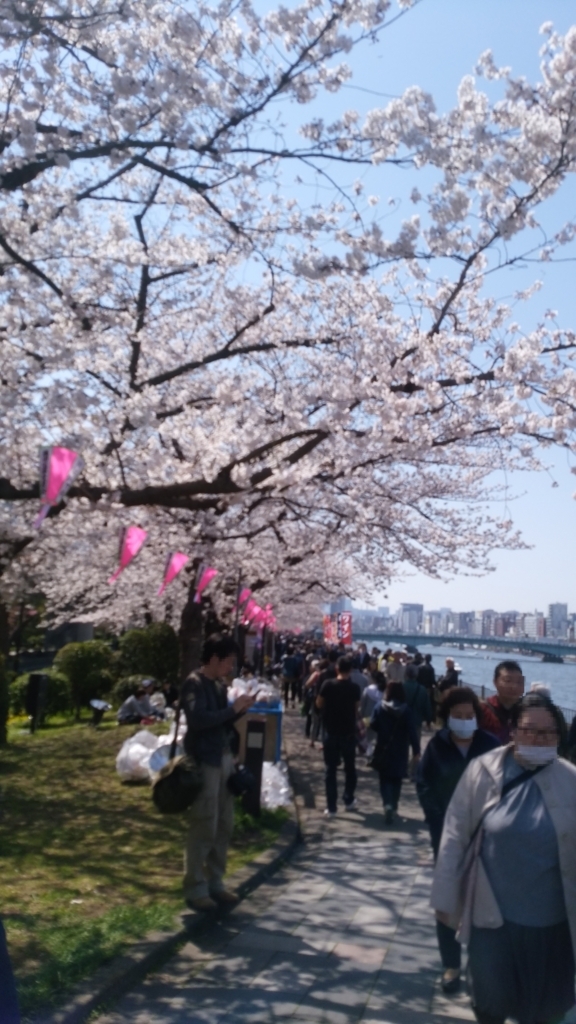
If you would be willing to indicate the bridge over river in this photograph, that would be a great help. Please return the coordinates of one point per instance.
(524, 645)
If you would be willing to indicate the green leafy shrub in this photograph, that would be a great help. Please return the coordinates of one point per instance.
(125, 687)
(151, 652)
(58, 698)
(89, 667)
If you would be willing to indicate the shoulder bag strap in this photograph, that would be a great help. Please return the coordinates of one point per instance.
(524, 776)
(178, 712)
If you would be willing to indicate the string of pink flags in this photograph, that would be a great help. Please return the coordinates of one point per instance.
(59, 468)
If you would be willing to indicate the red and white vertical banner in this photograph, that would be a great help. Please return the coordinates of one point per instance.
(345, 628)
(59, 468)
(337, 628)
(131, 540)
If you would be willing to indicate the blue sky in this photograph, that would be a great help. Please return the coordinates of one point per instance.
(434, 46)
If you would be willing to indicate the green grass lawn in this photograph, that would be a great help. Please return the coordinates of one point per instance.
(87, 864)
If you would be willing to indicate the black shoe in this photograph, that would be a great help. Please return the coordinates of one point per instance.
(450, 985)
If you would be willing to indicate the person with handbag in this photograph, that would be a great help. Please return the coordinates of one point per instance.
(441, 767)
(210, 718)
(393, 723)
(506, 871)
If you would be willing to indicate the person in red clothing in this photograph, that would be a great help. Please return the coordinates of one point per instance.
(497, 711)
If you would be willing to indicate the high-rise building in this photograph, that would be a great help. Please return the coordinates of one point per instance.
(535, 625)
(557, 620)
(342, 604)
(410, 617)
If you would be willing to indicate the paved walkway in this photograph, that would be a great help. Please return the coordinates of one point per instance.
(343, 934)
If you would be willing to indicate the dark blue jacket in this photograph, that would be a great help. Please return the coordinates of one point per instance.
(441, 769)
(395, 730)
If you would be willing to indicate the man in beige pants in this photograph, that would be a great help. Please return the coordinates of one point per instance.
(210, 718)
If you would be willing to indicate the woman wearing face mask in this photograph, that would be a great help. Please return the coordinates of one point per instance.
(448, 753)
(506, 872)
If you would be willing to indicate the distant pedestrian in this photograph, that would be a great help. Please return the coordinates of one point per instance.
(450, 677)
(291, 674)
(417, 699)
(443, 763)
(310, 693)
(426, 674)
(339, 703)
(498, 711)
(371, 698)
(506, 872)
(395, 670)
(393, 724)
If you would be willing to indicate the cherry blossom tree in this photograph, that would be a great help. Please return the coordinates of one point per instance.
(292, 389)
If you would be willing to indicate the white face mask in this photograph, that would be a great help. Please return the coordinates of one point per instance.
(535, 756)
(463, 728)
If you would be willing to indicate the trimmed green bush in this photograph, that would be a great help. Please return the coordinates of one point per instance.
(58, 699)
(125, 687)
(89, 667)
(151, 652)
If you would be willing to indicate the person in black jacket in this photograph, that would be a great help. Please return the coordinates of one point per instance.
(444, 761)
(210, 719)
(395, 728)
(426, 675)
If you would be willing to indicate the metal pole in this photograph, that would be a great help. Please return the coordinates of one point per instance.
(237, 616)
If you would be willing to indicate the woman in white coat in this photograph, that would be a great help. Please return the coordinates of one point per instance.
(506, 872)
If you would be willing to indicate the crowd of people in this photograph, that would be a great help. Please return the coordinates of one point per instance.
(498, 794)
(494, 780)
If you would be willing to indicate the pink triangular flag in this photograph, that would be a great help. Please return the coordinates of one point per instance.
(204, 576)
(59, 467)
(131, 540)
(174, 563)
(242, 598)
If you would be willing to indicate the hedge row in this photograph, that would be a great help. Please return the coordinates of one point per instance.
(83, 671)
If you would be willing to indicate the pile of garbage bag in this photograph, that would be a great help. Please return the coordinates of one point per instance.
(143, 754)
(135, 754)
(275, 786)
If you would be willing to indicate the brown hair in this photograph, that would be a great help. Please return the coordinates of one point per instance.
(459, 695)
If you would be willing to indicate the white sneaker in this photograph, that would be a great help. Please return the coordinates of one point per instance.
(329, 814)
(352, 806)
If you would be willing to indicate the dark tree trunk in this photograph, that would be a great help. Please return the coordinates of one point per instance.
(197, 621)
(4, 630)
(4, 702)
(190, 635)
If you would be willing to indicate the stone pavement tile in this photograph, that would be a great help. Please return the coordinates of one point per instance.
(229, 971)
(456, 1007)
(310, 945)
(370, 958)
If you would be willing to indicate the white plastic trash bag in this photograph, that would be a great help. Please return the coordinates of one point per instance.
(134, 756)
(275, 786)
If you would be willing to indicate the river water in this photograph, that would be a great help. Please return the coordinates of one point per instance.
(478, 668)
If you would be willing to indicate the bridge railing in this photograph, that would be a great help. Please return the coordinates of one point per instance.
(489, 691)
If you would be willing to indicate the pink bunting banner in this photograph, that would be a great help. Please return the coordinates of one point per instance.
(59, 468)
(205, 575)
(242, 598)
(175, 562)
(131, 540)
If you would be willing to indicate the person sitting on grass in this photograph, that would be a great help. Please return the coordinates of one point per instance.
(137, 708)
